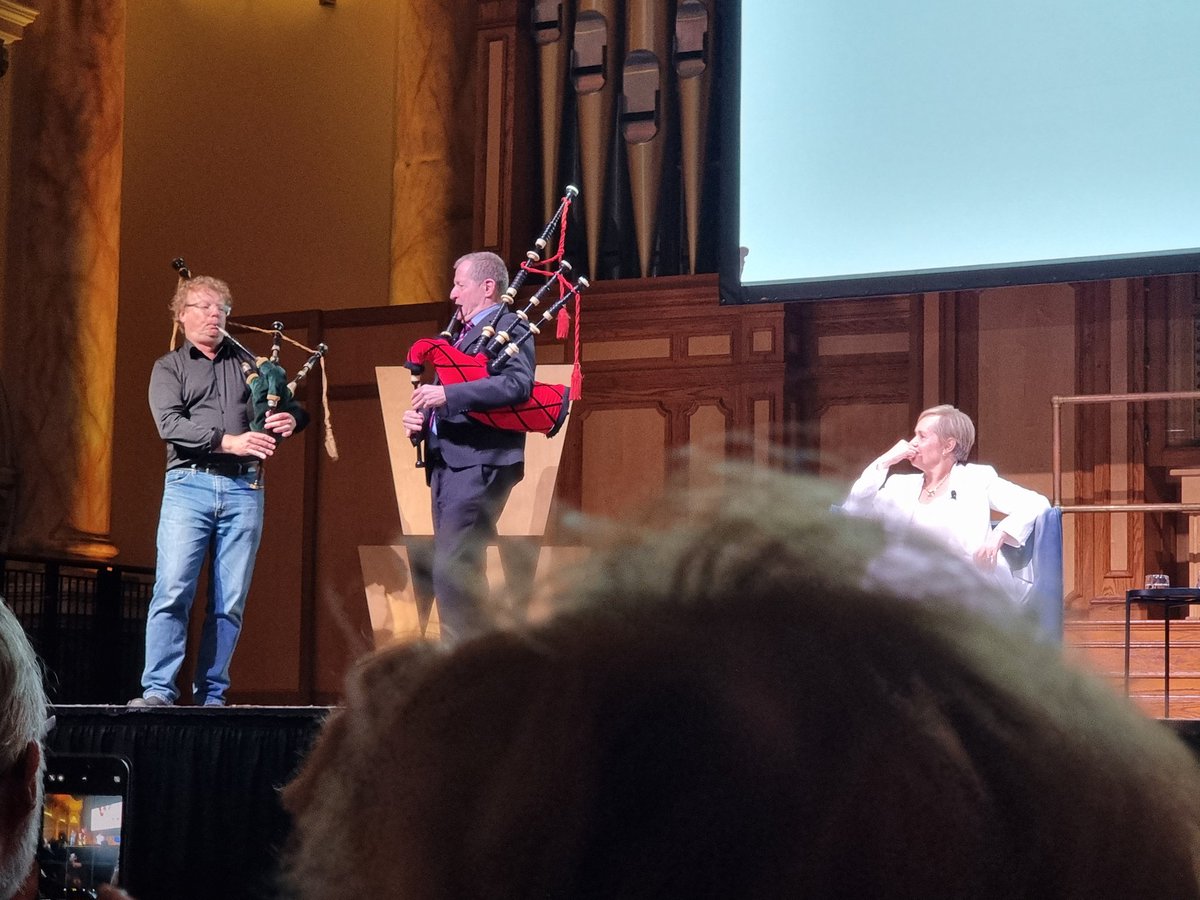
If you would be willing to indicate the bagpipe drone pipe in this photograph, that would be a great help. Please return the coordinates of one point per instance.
(270, 389)
(546, 409)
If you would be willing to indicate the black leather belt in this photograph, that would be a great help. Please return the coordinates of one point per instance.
(228, 469)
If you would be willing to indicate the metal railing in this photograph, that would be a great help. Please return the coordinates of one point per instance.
(1059, 402)
(87, 621)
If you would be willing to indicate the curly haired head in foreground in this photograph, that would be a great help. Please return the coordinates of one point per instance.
(734, 699)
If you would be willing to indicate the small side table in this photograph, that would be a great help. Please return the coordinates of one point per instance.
(1168, 598)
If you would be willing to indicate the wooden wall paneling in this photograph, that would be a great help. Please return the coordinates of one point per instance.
(354, 503)
(760, 404)
(710, 427)
(947, 349)
(762, 435)
(320, 444)
(1156, 294)
(1155, 301)
(863, 351)
(865, 378)
(1150, 539)
(960, 351)
(1089, 550)
(624, 457)
(358, 508)
(1138, 381)
(507, 158)
(666, 366)
(1129, 541)
(916, 352)
(1092, 450)
(799, 386)
(1163, 533)
(1125, 547)
(853, 376)
(568, 492)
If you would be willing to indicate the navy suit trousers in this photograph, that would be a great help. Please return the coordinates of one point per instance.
(467, 503)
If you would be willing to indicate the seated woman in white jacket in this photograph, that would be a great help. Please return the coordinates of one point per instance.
(950, 497)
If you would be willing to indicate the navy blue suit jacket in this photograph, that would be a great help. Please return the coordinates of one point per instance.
(461, 440)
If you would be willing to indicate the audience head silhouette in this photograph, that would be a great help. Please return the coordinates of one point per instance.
(22, 718)
(732, 699)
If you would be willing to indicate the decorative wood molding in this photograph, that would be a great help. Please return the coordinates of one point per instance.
(506, 157)
(650, 367)
(14, 17)
(959, 364)
(852, 352)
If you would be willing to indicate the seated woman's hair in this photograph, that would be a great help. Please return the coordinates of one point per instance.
(731, 699)
(952, 422)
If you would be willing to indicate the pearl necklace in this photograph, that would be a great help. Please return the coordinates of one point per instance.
(929, 492)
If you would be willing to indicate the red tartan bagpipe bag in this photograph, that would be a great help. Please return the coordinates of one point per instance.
(546, 410)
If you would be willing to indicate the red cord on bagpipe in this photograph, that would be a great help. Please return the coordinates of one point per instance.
(546, 409)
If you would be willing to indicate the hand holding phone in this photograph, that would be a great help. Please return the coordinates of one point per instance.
(83, 837)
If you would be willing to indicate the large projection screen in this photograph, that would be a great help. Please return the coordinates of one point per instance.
(877, 147)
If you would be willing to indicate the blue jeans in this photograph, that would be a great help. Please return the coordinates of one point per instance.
(200, 511)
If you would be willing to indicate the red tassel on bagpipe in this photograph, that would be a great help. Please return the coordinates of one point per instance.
(544, 412)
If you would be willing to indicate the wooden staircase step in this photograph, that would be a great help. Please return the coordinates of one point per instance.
(1183, 705)
(1106, 609)
(1098, 645)
(1108, 657)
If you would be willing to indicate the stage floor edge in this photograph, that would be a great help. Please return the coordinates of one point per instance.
(204, 817)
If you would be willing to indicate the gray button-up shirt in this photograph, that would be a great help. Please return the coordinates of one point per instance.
(196, 401)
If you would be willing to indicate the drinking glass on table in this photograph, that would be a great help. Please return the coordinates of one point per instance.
(1157, 580)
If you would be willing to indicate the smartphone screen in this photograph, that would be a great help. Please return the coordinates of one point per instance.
(82, 843)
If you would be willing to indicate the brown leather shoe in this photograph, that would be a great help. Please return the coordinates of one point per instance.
(150, 700)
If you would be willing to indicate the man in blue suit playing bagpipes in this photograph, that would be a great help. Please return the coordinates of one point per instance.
(472, 467)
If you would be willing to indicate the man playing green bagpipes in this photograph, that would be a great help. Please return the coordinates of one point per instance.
(218, 429)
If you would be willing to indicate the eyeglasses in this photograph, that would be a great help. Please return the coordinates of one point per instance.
(206, 308)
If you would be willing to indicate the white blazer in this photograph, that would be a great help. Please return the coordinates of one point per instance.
(960, 514)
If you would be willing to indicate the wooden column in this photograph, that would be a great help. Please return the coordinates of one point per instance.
(14, 19)
(432, 172)
(61, 279)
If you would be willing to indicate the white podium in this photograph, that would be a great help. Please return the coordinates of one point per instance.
(392, 574)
